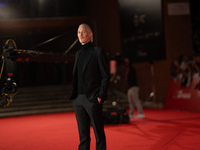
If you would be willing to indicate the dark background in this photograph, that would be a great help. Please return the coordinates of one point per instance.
(41, 8)
(142, 29)
(195, 17)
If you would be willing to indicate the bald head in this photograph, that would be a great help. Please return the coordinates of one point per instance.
(84, 34)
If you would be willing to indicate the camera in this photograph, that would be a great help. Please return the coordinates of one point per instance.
(10, 86)
(8, 91)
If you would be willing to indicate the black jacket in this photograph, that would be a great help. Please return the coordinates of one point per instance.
(95, 75)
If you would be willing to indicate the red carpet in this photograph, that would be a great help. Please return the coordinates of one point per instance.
(160, 130)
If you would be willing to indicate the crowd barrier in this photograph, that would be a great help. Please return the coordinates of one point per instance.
(183, 97)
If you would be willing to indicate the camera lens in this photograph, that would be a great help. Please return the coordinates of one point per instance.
(10, 87)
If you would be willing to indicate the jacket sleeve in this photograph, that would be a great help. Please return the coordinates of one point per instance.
(104, 73)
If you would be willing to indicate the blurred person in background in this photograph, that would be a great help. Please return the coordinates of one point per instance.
(133, 91)
(186, 70)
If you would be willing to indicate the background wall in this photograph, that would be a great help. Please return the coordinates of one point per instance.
(177, 31)
(104, 18)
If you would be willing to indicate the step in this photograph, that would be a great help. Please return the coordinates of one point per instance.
(51, 99)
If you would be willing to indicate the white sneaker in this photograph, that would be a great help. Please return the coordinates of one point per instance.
(131, 116)
(139, 116)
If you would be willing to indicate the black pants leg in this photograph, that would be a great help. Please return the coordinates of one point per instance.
(89, 112)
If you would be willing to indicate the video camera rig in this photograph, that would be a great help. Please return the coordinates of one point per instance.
(8, 84)
(11, 55)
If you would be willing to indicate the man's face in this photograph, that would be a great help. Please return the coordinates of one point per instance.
(84, 35)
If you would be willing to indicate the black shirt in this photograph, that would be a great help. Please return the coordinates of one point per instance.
(80, 63)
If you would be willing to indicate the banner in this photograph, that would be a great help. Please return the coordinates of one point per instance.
(183, 97)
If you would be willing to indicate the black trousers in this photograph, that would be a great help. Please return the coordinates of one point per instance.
(88, 113)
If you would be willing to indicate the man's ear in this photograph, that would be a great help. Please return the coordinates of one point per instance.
(91, 34)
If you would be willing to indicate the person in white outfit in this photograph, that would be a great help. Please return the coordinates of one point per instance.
(133, 91)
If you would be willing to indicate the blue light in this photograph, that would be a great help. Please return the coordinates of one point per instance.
(2, 5)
